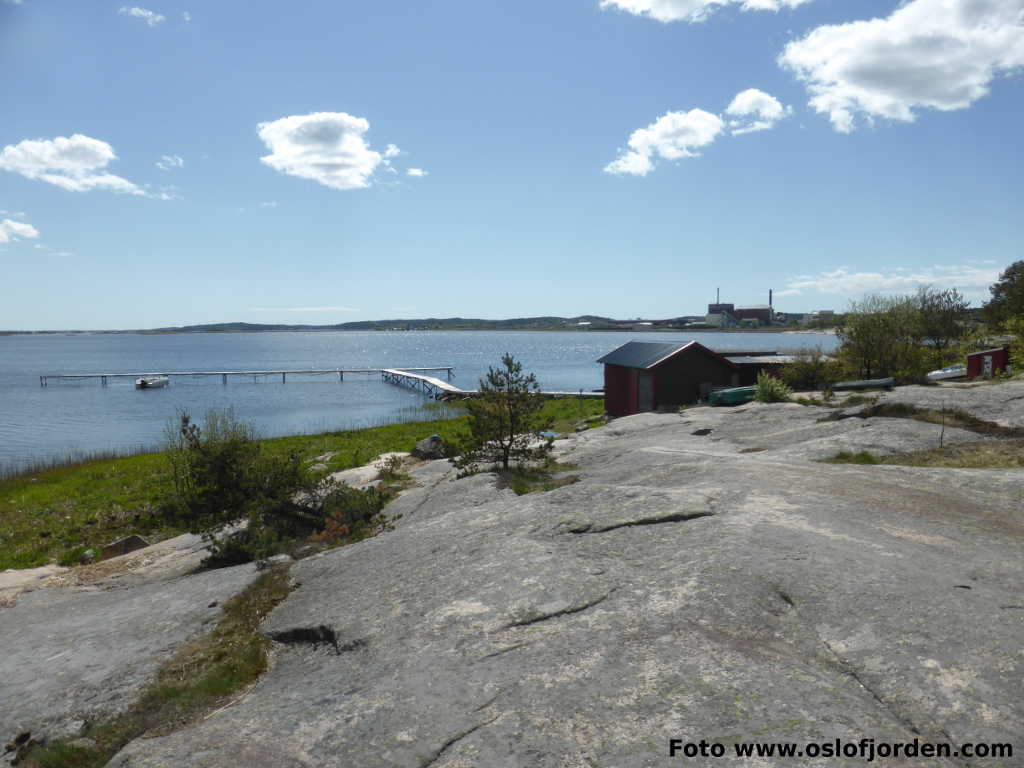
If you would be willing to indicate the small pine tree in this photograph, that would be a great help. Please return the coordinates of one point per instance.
(504, 421)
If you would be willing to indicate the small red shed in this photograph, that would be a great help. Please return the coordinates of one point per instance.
(988, 363)
(643, 376)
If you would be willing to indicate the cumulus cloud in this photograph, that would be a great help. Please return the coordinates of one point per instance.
(16, 230)
(392, 151)
(673, 136)
(75, 164)
(693, 10)
(167, 162)
(327, 147)
(151, 18)
(928, 54)
(418, 172)
(753, 110)
(972, 281)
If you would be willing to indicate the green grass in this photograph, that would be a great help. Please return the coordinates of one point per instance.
(846, 457)
(990, 454)
(56, 514)
(202, 676)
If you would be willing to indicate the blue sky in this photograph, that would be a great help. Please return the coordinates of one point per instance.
(176, 162)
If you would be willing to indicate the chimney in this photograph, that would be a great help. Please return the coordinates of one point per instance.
(718, 295)
(769, 297)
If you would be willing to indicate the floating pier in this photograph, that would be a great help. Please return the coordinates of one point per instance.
(104, 377)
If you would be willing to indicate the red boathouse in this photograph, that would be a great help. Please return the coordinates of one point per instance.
(644, 376)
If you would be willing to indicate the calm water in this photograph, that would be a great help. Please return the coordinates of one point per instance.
(75, 417)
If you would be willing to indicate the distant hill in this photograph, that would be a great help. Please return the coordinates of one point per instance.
(430, 323)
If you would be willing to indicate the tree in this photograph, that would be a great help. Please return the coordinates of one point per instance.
(942, 315)
(882, 337)
(1007, 295)
(505, 419)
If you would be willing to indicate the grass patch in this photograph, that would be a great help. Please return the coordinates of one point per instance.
(204, 675)
(846, 457)
(991, 454)
(58, 513)
(544, 477)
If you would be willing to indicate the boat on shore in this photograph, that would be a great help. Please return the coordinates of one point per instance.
(848, 386)
(151, 382)
(948, 373)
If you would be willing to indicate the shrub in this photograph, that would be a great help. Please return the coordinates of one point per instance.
(811, 369)
(771, 390)
(221, 477)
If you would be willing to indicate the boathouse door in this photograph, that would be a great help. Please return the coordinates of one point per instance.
(645, 392)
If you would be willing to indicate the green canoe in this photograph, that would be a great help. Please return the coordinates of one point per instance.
(732, 396)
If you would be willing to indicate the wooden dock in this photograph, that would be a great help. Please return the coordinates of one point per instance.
(406, 377)
(340, 372)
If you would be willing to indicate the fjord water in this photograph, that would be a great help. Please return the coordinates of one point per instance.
(78, 417)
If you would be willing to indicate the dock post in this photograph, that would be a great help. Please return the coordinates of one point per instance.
(283, 374)
(223, 378)
(341, 375)
(103, 380)
(42, 381)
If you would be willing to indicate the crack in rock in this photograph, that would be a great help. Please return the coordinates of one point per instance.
(502, 651)
(316, 636)
(556, 614)
(852, 673)
(453, 741)
(676, 517)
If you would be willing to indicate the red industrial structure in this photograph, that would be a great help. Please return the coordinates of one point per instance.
(987, 363)
(643, 376)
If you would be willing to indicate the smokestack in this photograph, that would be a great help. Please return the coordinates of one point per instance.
(769, 297)
(718, 295)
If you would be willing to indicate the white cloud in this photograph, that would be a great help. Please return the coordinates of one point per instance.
(693, 10)
(392, 151)
(972, 281)
(186, 16)
(269, 204)
(937, 54)
(16, 230)
(75, 164)
(167, 162)
(151, 18)
(755, 110)
(418, 172)
(672, 136)
(327, 147)
(304, 309)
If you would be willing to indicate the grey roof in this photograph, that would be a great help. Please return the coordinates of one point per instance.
(762, 359)
(642, 354)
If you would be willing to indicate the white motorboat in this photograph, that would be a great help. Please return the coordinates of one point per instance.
(151, 382)
(948, 373)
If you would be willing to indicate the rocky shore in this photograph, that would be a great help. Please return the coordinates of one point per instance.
(706, 579)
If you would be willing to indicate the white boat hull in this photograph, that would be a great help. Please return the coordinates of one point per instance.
(152, 382)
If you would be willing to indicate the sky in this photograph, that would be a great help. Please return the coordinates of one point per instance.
(325, 161)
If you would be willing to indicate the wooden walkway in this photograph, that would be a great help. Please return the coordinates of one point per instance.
(406, 378)
(103, 377)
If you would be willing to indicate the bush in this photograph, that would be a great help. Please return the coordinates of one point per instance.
(771, 390)
(221, 477)
(811, 369)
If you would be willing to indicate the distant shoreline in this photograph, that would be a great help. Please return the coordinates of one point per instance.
(487, 326)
